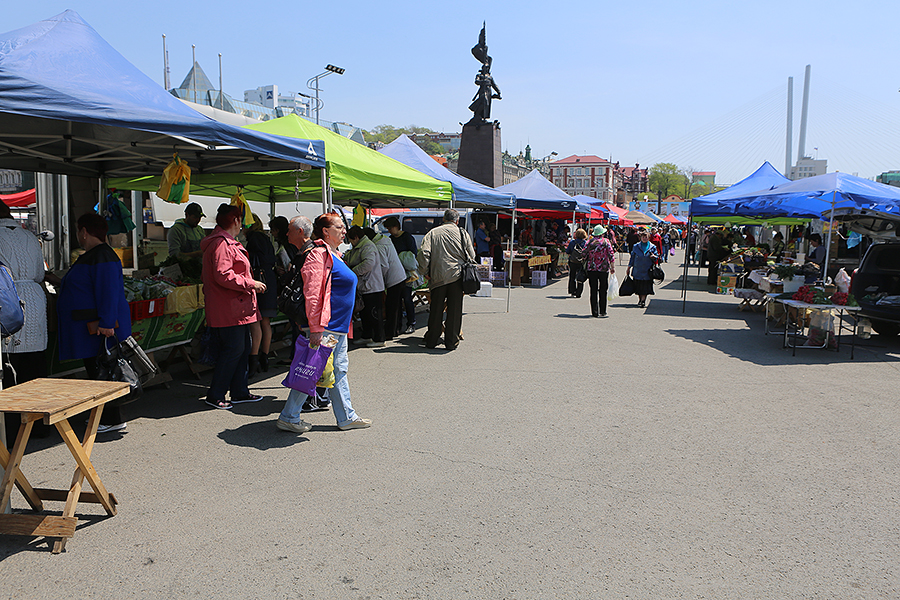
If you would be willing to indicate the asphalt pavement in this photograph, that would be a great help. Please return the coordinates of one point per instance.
(669, 452)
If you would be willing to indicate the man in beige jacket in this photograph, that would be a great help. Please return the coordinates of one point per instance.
(443, 251)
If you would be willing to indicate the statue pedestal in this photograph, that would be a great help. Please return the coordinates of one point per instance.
(480, 157)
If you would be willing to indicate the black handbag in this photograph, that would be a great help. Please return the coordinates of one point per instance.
(581, 274)
(126, 361)
(627, 287)
(470, 281)
(657, 273)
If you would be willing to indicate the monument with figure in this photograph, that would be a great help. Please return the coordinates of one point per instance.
(480, 157)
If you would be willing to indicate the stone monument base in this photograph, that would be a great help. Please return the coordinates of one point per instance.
(480, 157)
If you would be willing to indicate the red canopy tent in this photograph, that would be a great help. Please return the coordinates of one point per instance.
(20, 200)
(674, 219)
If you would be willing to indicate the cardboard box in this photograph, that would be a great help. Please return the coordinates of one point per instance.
(729, 291)
(485, 291)
(539, 278)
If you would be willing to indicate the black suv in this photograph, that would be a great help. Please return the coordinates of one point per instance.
(876, 283)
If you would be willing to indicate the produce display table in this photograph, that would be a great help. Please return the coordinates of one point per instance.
(54, 401)
(796, 322)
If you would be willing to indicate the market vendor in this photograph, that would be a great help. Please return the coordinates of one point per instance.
(817, 254)
(185, 234)
(551, 242)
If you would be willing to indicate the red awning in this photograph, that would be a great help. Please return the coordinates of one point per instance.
(20, 200)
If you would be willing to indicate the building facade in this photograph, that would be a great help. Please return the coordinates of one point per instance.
(808, 167)
(889, 178)
(585, 175)
(631, 184)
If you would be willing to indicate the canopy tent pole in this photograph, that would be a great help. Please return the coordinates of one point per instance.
(828, 247)
(324, 191)
(512, 233)
(271, 202)
(686, 257)
(137, 217)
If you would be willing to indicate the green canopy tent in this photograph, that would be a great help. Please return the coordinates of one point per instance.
(352, 173)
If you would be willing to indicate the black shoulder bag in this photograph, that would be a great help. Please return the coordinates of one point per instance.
(469, 274)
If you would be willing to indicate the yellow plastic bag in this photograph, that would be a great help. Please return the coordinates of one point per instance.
(246, 215)
(175, 183)
(359, 216)
(327, 378)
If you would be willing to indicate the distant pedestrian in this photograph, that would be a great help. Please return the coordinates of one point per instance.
(575, 250)
(643, 256)
(599, 262)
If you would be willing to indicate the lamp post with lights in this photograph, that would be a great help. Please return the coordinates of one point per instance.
(313, 84)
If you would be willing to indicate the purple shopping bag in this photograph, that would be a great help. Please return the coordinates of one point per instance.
(307, 366)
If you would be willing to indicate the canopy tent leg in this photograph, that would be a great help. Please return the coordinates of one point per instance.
(512, 233)
(137, 214)
(686, 258)
(324, 191)
(828, 247)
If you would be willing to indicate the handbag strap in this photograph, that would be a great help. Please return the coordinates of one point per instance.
(462, 246)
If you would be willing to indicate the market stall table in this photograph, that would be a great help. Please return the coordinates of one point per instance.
(54, 401)
(795, 323)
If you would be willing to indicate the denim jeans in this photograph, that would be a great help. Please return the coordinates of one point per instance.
(230, 373)
(339, 394)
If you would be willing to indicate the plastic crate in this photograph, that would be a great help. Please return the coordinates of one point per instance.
(144, 309)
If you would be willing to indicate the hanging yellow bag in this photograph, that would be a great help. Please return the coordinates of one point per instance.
(239, 201)
(359, 216)
(175, 183)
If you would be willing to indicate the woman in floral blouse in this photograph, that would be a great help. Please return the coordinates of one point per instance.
(599, 262)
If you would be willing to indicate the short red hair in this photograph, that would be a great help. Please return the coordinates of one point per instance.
(228, 215)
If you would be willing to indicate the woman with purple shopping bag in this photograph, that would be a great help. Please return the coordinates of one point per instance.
(329, 286)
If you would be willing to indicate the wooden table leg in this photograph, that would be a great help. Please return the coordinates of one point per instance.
(12, 474)
(82, 454)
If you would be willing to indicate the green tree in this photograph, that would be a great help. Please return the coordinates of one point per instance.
(388, 133)
(665, 179)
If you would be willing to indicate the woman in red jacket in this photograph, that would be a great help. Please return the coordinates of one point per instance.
(230, 296)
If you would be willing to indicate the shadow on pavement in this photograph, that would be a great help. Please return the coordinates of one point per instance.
(261, 435)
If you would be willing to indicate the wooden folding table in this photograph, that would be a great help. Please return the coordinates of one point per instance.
(54, 401)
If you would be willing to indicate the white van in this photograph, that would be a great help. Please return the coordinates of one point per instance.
(420, 222)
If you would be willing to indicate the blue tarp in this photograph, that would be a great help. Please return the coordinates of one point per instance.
(466, 193)
(536, 192)
(764, 178)
(85, 105)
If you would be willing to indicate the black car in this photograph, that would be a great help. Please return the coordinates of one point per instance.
(876, 283)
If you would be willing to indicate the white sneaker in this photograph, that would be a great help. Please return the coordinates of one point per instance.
(111, 428)
(301, 427)
(357, 424)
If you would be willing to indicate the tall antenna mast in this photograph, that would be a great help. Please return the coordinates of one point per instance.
(165, 64)
(804, 112)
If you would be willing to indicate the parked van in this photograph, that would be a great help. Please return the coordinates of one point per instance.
(420, 222)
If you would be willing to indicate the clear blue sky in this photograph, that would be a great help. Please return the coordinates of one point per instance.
(701, 83)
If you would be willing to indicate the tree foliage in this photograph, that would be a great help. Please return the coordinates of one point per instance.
(388, 133)
(665, 179)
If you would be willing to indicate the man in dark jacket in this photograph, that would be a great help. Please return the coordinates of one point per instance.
(714, 254)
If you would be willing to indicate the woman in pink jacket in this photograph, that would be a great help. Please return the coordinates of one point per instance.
(230, 295)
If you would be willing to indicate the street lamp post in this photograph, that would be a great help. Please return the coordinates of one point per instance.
(313, 84)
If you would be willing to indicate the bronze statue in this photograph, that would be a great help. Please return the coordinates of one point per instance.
(481, 103)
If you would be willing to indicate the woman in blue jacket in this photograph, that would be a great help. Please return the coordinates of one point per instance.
(91, 306)
(643, 256)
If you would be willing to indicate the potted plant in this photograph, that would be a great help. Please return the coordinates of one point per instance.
(785, 273)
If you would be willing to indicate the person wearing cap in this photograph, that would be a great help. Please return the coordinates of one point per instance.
(599, 261)
(185, 234)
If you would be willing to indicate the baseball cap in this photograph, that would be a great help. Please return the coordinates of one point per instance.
(194, 209)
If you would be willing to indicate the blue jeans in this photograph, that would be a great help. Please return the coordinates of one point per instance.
(339, 394)
(230, 373)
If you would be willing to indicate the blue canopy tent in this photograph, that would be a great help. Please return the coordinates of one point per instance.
(535, 192)
(714, 206)
(70, 104)
(466, 193)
